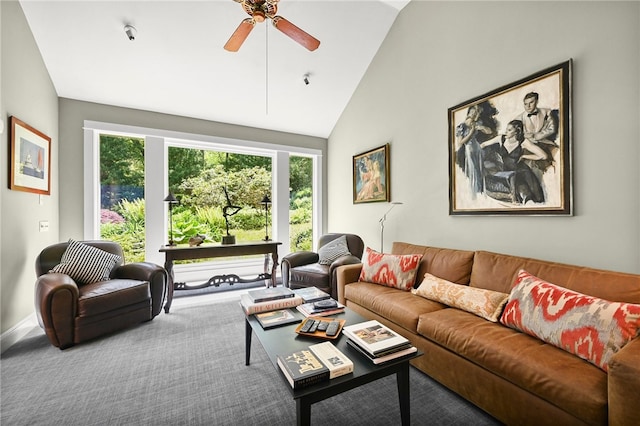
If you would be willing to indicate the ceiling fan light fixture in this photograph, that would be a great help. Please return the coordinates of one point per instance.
(261, 10)
(259, 16)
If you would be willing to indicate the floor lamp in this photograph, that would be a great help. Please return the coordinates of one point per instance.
(382, 219)
(171, 199)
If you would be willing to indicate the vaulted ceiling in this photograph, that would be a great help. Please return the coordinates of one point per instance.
(177, 64)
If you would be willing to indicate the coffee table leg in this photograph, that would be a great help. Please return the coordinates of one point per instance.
(402, 377)
(247, 342)
(303, 412)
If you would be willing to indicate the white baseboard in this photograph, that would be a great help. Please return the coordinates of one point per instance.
(17, 332)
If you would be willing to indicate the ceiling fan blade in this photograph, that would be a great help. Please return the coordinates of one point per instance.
(239, 35)
(298, 35)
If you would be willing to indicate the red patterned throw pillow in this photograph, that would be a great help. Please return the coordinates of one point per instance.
(391, 270)
(591, 328)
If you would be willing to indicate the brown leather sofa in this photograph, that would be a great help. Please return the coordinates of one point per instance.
(518, 379)
(301, 269)
(71, 313)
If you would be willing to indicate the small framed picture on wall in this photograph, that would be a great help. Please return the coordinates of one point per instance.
(371, 176)
(30, 159)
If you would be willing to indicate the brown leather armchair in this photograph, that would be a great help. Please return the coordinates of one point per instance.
(71, 313)
(301, 269)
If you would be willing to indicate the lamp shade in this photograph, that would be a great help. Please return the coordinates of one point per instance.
(171, 199)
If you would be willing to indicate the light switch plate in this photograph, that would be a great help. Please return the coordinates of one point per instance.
(44, 226)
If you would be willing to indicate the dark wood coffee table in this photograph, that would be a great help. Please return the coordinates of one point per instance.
(284, 339)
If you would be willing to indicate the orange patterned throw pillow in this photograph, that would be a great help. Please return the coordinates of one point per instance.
(591, 328)
(391, 270)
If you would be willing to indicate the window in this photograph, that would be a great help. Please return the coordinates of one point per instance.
(169, 160)
(122, 217)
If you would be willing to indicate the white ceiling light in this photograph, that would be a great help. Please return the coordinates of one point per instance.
(130, 31)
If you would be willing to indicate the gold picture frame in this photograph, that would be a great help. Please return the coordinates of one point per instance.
(371, 177)
(30, 159)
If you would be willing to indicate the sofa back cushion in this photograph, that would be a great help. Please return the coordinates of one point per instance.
(449, 264)
(498, 272)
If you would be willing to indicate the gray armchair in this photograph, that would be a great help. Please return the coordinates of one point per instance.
(302, 269)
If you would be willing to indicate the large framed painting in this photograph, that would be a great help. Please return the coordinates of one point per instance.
(371, 176)
(30, 159)
(510, 149)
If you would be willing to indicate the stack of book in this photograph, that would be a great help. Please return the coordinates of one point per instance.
(319, 363)
(321, 308)
(268, 299)
(377, 342)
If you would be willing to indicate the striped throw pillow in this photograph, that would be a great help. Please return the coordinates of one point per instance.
(333, 250)
(86, 264)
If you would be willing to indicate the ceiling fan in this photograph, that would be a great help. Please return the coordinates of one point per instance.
(259, 10)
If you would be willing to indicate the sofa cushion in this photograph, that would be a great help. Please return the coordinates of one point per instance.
(400, 307)
(391, 270)
(552, 374)
(487, 304)
(86, 264)
(333, 250)
(111, 295)
(591, 328)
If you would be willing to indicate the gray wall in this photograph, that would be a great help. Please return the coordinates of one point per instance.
(28, 94)
(439, 54)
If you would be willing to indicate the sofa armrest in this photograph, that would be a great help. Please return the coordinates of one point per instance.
(292, 260)
(623, 384)
(300, 258)
(146, 271)
(345, 275)
(56, 303)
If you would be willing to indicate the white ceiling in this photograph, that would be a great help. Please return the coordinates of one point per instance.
(177, 64)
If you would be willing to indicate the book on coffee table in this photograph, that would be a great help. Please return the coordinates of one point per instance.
(271, 293)
(277, 318)
(337, 362)
(375, 338)
(302, 368)
(250, 307)
(309, 309)
(398, 353)
(311, 294)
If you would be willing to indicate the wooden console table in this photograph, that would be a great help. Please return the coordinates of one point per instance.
(205, 251)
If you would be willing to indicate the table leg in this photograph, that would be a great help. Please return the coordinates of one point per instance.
(303, 412)
(168, 265)
(247, 342)
(274, 267)
(402, 377)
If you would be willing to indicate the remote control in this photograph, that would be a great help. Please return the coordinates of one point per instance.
(323, 325)
(306, 326)
(332, 329)
(314, 326)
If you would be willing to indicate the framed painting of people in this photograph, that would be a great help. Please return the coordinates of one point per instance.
(510, 149)
(30, 159)
(371, 176)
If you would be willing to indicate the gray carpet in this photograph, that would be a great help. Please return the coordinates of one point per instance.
(187, 368)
